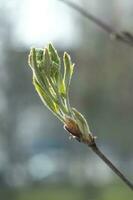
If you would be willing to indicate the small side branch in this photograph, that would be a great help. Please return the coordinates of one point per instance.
(122, 36)
(111, 165)
(90, 141)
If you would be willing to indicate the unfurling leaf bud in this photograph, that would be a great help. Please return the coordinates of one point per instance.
(52, 85)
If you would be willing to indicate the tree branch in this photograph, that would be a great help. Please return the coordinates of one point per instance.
(92, 144)
(122, 36)
(111, 165)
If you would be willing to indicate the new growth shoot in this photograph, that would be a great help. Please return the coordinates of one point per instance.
(51, 79)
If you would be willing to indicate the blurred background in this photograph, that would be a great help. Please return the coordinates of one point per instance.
(37, 160)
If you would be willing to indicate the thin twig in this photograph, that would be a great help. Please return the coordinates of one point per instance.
(91, 143)
(111, 165)
(122, 36)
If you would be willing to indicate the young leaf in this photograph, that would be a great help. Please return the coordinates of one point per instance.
(45, 98)
(39, 55)
(68, 70)
(46, 61)
(82, 123)
(54, 54)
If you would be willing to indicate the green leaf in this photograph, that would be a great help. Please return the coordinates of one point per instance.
(81, 121)
(30, 60)
(46, 61)
(39, 54)
(54, 54)
(54, 72)
(68, 70)
(45, 98)
(62, 89)
(35, 67)
(36, 71)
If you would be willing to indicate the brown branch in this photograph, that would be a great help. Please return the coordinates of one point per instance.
(111, 165)
(90, 141)
(122, 36)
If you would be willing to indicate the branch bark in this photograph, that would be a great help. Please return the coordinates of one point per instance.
(96, 150)
(122, 36)
(92, 144)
